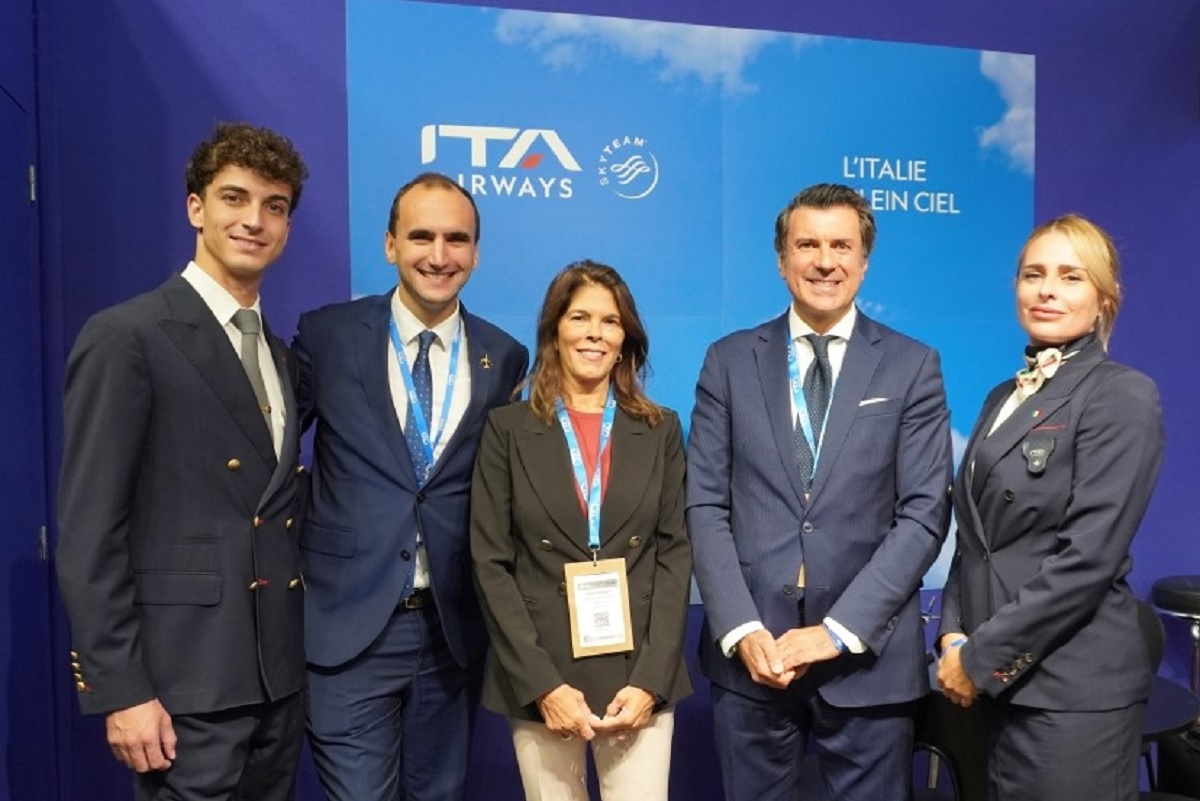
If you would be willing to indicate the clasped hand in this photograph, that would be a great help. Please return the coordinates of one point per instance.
(952, 678)
(566, 713)
(778, 662)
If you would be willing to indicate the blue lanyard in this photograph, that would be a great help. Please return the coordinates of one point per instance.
(415, 402)
(802, 404)
(591, 493)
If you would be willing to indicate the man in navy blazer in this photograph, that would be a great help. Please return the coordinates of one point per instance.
(177, 552)
(810, 579)
(394, 636)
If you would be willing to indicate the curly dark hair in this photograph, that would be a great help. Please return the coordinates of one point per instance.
(262, 151)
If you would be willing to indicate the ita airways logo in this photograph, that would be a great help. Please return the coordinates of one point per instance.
(491, 160)
(628, 167)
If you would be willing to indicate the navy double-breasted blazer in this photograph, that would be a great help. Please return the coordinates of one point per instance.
(177, 553)
(1038, 580)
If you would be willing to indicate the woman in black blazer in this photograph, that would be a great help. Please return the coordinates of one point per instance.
(549, 496)
(1037, 615)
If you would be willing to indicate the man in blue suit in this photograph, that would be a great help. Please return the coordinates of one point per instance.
(818, 468)
(399, 385)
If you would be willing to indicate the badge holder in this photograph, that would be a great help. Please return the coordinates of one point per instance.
(598, 605)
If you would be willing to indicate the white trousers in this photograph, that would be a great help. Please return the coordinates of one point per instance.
(633, 769)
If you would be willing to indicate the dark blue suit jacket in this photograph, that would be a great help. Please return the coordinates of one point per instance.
(877, 517)
(1038, 580)
(358, 545)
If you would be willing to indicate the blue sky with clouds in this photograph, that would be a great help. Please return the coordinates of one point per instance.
(734, 122)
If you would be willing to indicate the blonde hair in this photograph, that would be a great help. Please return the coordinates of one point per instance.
(1097, 256)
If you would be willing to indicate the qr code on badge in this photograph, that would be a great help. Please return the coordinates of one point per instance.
(601, 620)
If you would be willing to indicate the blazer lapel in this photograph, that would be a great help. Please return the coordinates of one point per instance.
(371, 350)
(482, 380)
(771, 354)
(862, 359)
(629, 473)
(965, 491)
(1053, 395)
(991, 407)
(290, 446)
(198, 335)
(547, 463)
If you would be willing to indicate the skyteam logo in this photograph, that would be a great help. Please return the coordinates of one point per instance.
(521, 169)
(628, 168)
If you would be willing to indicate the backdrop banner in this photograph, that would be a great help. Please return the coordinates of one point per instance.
(667, 150)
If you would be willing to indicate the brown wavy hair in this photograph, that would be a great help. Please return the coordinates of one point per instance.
(264, 152)
(628, 375)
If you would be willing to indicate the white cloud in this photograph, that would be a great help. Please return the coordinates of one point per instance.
(714, 56)
(1013, 74)
(872, 308)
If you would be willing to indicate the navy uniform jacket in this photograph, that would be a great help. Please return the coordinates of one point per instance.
(1039, 579)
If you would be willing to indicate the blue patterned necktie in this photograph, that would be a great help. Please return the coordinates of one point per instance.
(423, 383)
(817, 382)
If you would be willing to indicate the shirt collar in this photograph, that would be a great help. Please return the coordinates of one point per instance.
(843, 328)
(410, 327)
(216, 297)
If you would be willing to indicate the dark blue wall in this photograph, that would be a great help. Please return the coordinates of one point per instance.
(27, 747)
(126, 87)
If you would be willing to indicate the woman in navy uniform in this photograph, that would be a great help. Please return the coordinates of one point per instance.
(1038, 617)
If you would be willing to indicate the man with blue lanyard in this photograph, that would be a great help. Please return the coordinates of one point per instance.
(818, 467)
(399, 386)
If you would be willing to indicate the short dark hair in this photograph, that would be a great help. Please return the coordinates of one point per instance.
(826, 196)
(430, 179)
(628, 374)
(262, 151)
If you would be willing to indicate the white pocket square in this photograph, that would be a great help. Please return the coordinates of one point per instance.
(872, 401)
